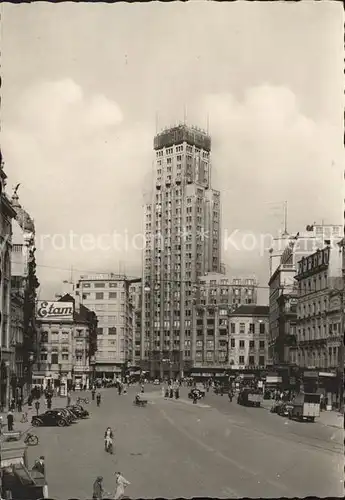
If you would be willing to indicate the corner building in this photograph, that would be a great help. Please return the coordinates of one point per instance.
(319, 322)
(107, 294)
(66, 337)
(182, 230)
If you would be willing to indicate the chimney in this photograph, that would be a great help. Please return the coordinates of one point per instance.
(77, 302)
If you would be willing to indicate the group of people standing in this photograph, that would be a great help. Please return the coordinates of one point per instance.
(172, 390)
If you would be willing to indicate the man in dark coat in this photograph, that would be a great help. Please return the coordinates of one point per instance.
(39, 465)
(20, 404)
(10, 420)
(98, 490)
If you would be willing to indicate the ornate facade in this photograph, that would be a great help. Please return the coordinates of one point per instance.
(7, 214)
(23, 298)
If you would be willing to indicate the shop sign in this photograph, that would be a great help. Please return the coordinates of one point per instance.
(327, 374)
(273, 380)
(55, 311)
(310, 374)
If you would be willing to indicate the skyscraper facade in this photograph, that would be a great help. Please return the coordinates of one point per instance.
(182, 230)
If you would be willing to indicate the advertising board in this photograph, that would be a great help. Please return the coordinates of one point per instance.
(54, 311)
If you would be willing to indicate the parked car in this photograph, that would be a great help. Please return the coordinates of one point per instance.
(50, 417)
(69, 415)
(73, 411)
(79, 411)
(156, 382)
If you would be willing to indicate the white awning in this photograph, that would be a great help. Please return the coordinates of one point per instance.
(327, 374)
(107, 368)
(11, 461)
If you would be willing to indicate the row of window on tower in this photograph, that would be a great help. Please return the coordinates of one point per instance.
(187, 148)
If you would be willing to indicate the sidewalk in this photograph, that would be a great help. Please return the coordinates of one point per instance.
(57, 402)
(328, 418)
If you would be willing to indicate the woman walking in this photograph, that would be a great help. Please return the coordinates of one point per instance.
(121, 484)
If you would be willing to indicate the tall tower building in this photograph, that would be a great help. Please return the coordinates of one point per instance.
(182, 229)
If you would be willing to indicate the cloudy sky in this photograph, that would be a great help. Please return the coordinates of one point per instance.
(84, 86)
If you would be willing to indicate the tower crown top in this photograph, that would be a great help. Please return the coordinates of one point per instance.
(182, 133)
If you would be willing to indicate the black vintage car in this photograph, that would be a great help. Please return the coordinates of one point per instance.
(78, 411)
(69, 414)
(50, 418)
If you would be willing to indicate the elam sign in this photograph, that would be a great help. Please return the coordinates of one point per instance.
(55, 311)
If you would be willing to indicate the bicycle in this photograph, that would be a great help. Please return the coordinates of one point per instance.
(31, 439)
(108, 446)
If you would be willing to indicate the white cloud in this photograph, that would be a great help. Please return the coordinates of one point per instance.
(265, 149)
(83, 168)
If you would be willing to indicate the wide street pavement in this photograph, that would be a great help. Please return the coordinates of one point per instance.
(177, 449)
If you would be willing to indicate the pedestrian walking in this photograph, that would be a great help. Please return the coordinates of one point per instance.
(93, 393)
(20, 404)
(37, 406)
(195, 396)
(13, 404)
(121, 484)
(10, 420)
(98, 489)
(49, 403)
(322, 402)
(30, 399)
(98, 399)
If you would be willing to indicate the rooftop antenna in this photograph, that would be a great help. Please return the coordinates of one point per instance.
(285, 233)
(208, 123)
(184, 114)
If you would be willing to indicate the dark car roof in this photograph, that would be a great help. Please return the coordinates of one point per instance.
(45, 413)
